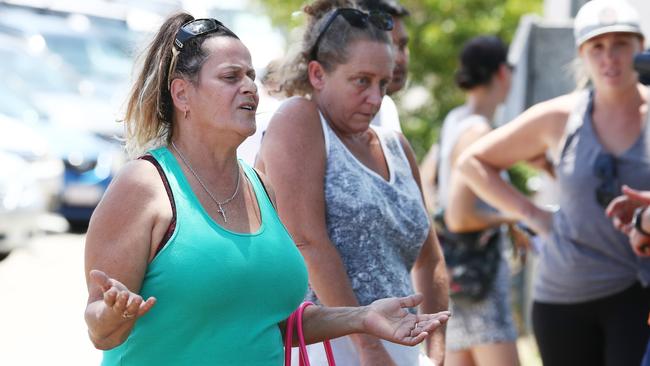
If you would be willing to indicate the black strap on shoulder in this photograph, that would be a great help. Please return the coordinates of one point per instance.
(170, 195)
(265, 190)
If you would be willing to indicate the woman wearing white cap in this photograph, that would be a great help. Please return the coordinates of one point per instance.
(590, 300)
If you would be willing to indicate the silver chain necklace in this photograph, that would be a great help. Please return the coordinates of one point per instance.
(221, 210)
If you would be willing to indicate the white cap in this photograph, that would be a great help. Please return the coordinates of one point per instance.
(598, 17)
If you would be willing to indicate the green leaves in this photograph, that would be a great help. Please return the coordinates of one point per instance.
(437, 28)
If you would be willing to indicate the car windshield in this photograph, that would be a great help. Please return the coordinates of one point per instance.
(90, 56)
(16, 106)
(33, 73)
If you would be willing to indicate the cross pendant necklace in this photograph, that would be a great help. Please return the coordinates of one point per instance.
(221, 210)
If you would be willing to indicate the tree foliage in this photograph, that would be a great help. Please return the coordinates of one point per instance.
(437, 28)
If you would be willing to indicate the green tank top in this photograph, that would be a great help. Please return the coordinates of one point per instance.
(220, 294)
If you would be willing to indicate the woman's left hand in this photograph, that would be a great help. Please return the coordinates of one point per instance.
(520, 240)
(540, 221)
(389, 319)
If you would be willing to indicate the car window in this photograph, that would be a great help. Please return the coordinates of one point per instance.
(33, 73)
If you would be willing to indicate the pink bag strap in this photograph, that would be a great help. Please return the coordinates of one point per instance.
(288, 339)
(296, 318)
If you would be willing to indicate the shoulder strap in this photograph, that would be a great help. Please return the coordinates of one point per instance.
(575, 121)
(265, 190)
(326, 135)
(170, 195)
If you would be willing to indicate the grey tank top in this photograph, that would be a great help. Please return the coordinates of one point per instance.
(586, 258)
(457, 122)
(377, 226)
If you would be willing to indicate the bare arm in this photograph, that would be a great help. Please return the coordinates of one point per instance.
(429, 274)
(385, 318)
(429, 172)
(537, 130)
(133, 214)
(293, 158)
(462, 213)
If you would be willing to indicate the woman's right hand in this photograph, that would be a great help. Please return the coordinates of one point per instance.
(120, 303)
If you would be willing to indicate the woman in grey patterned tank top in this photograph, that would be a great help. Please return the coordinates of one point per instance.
(347, 192)
(591, 299)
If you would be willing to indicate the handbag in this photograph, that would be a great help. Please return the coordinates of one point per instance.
(296, 318)
(473, 260)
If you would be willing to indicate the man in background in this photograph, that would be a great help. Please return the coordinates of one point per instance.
(387, 115)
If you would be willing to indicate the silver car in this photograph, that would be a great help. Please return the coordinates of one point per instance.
(21, 203)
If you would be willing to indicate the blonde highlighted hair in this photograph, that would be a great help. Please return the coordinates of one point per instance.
(149, 117)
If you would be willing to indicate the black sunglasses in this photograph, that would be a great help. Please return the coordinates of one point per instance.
(199, 27)
(356, 18)
(605, 168)
(192, 29)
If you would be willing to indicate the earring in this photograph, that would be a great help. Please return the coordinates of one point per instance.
(185, 115)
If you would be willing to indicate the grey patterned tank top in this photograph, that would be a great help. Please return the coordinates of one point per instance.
(586, 258)
(378, 226)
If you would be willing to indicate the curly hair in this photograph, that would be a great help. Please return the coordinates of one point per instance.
(292, 78)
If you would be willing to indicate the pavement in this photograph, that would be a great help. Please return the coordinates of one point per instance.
(43, 294)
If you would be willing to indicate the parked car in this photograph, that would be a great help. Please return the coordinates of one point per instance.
(21, 203)
(82, 163)
(55, 87)
(90, 165)
(94, 46)
(42, 163)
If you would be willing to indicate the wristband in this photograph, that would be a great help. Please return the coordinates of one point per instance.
(637, 219)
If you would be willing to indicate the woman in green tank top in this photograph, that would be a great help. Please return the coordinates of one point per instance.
(186, 261)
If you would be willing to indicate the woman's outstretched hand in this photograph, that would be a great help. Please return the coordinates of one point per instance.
(119, 301)
(389, 319)
(621, 209)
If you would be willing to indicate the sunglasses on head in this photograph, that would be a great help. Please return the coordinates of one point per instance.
(606, 170)
(198, 27)
(355, 18)
(190, 30)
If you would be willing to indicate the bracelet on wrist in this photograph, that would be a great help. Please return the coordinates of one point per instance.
(637, 219)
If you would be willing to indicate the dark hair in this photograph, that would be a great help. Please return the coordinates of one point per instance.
(480, 59)
(292, 77)
(150, 108)
(392, 7)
